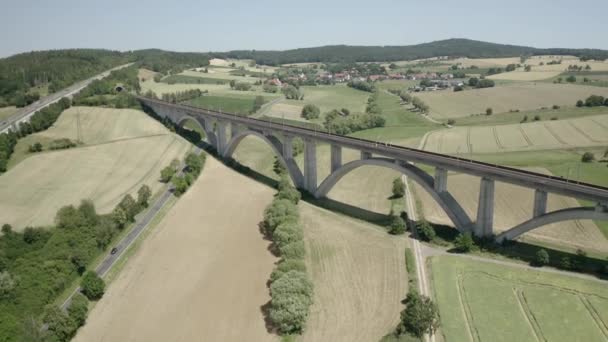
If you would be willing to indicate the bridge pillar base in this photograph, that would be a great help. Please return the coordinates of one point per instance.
(310, 166)
(540, 203)
(221, 137)
(336, 157)
(366, 155)
(288, 147)
(441, 180)
(485, 209)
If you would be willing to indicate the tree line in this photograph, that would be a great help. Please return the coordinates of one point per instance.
(343, 122)
(38, 264)
(39, 121)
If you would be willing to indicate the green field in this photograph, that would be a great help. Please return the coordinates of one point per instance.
(565, 112)
(522, 96)
(193, 80)
(481, 301)
(243, 105)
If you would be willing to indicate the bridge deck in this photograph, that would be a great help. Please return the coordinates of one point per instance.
(501, 173)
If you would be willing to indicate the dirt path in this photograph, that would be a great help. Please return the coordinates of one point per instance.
(359, 276)
(200, 276)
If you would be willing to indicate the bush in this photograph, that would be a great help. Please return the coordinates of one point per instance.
(397, 226)
(464, 243)
(291, 299)
(580, 103)
(79, 309)
(289, 193)
(279, 211)
(398, 187)
(287, 233)
(92, 286)
(565, 263)
(542, 257)
(242, 86)
(594, 101)
(588, 157)
(294, 250)
(36, 147)
(451, 122)
(426, 231)
(287, 265)
(489, 111)
(571, 79)
(310, 112)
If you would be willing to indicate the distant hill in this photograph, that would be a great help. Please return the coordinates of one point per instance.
(451, 47)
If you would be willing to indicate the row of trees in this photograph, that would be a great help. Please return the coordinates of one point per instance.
(38, 264)
(593, 101)
(291, 289)
(362, 85)
(480, 83)
(181, 96)
(343, 122)
(194, 164)
(39, 121)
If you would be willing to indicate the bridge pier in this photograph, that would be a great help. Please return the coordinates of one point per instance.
(287, 147)
(441, 180)
(234, 129)
(310, 165)
(540, 203)
(485, 209)
(336, 157)
(221, 137)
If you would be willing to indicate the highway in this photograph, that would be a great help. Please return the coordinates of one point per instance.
(142, 221)
(43, 102)
(505, 174)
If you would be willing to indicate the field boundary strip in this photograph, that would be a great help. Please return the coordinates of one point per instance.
(556, 136)
(498, 143)
(597, 319)
(584, 133)
(527, 315)
(599, 123)
(525, 135)
(534, 320)
(466, 309)
(469, 145)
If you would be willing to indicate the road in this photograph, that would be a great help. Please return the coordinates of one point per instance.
(142, 221)
(552, 184)
(69, 91)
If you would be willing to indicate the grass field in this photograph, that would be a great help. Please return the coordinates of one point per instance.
(187, 79)
(232, 104)
(565, 112)
(481, 301)
(521, 96)
(521, 75)
(359, 276)
(542, 135)
(6, 112)
(200, 274)
(123, 149)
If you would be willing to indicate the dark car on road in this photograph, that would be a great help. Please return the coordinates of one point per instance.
(114, 250)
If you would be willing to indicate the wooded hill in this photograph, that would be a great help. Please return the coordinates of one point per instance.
(450, 47)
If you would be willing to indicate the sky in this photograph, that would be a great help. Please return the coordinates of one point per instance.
(190, 25)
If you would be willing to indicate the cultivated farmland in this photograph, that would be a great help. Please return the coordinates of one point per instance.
(522, 96)
(359, 276)
(201, 275)
(513, 205)
(481, 301)
(123, 150)
(542, 135)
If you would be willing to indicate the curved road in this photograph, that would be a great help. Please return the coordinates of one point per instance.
(36, 106)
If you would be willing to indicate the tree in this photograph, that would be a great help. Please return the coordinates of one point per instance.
(426, 230)
(397, 226)
(7, 284)
(180, 185)
(279, 211)
(289, 193)
(143, 195)
(166, 174)
(419, 317)
(398, 187)
(565, 263)
(542, 257)
(60, 326)
(310, 112)
(130, 207)
(291, 297)
(278, 167)
(571, 79)
(291, 93)
(527, 68)
(92, 286)
(79, 309)
(194, 163)
(588, 157)
(7, 229)
(464, 242)
(232, 84)
(489, 111)
(473, 81)
(120, 217)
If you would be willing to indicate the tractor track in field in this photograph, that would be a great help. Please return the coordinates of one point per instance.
(526, 315)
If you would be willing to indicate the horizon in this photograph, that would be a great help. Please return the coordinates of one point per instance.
(261, 26)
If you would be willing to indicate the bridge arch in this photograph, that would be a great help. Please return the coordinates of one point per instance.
(455, 212)
(277, 147)
(568, 214)
(209, 134)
